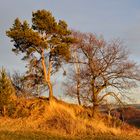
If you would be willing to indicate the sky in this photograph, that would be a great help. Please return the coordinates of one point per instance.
(110, 18)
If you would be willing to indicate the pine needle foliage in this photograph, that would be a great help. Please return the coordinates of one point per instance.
(7, 91)
(45, 45)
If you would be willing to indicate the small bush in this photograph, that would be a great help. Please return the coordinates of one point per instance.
(7, 92)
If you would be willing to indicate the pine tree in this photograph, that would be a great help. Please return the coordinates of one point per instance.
(45, 45)
(7, 91)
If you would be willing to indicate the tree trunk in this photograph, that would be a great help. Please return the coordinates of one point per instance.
(95, 110)
(109, 113)
(78, 92)
(49, 81)
(4, 111)
(47, 75)
(95, 106)
(77, 70)
(94, 99)
(50, 90)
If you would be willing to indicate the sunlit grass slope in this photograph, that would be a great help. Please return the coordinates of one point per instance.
(40, 119)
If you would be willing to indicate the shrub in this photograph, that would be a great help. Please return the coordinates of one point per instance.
(7, 92)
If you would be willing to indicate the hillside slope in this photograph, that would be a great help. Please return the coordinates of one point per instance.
(39, 119)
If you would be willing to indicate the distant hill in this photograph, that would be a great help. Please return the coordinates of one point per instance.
(135, 105)
(130, 114)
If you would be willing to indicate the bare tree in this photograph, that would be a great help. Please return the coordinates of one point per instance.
(105, 68)
(72, 84)
(27, 85)
(17, 81)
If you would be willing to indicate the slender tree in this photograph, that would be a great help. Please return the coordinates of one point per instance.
(45, 45)
(72, 83)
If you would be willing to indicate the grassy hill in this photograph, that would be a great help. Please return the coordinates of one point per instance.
(40, 119)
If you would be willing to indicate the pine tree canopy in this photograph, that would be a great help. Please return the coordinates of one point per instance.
(45, 33)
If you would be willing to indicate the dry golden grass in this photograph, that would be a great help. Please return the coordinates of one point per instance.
(60, 118)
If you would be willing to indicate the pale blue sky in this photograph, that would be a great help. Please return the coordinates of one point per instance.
(110, 18)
